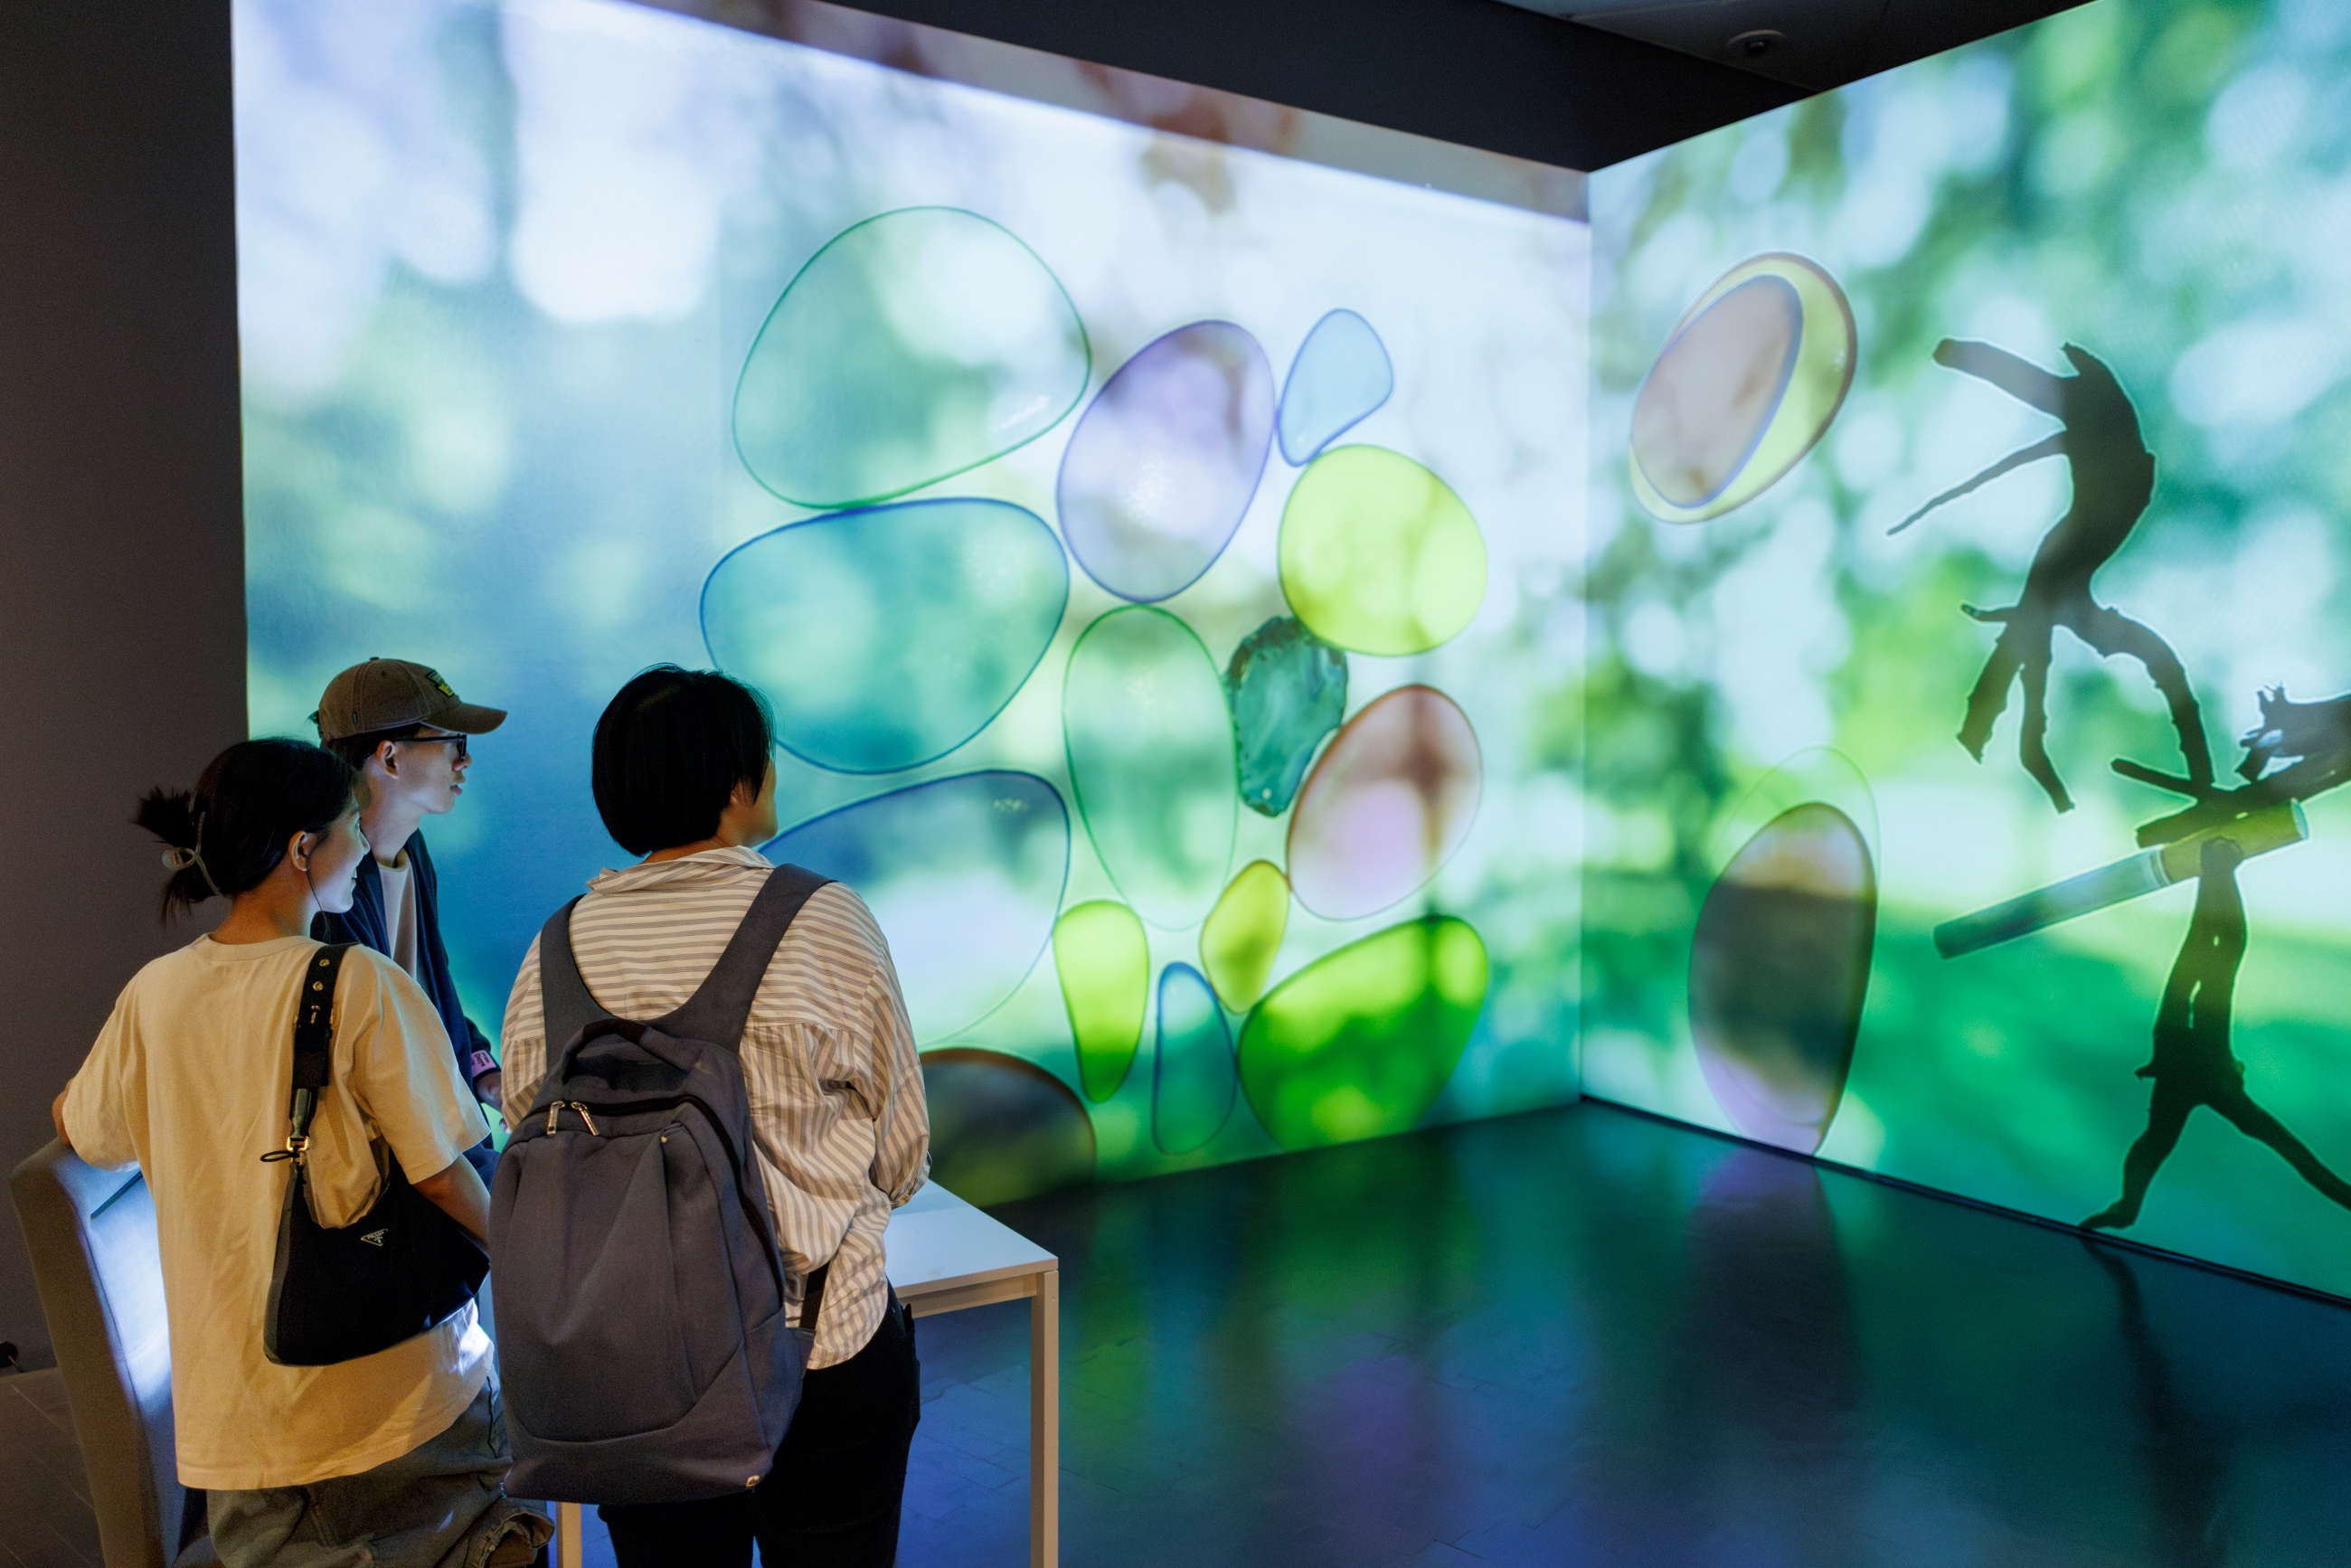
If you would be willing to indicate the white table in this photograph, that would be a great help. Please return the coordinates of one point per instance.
(946, 1254)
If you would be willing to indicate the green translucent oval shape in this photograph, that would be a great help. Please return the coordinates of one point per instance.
(1378, 555)
(1243, 933)
(1359, 1043)
(1105, 962)
(1191, 1063)
(886, 637)
(1003, 1128)
(1150, 756)
(914, 345)
(1751, 377)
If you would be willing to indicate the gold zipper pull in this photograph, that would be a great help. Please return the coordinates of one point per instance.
(552, 1112)
(586, 1118)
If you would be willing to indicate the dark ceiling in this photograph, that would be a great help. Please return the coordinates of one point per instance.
(1492, 74)
(1814, 44)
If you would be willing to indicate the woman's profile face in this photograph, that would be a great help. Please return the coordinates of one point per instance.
(334, 865)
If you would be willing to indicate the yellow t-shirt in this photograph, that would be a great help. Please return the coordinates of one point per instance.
(189, 1079)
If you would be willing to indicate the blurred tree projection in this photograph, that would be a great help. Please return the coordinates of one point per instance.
(579, 337)
(2167, 184)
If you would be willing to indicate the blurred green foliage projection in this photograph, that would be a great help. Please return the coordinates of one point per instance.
(579, 337)
(2165, 186)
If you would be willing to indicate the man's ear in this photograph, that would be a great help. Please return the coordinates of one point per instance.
(384, 755)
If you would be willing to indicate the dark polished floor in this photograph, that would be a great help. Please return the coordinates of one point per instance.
(1584, 1337)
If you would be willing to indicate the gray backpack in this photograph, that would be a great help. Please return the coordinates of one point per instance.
(641, 1335)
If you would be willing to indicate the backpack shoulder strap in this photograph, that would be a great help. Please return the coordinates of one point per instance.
(564, 1003)
(721, 1006)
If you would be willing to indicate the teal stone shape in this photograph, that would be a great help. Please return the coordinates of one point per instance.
(1150, 758)
(1193, 1079)
(915, 345)
(1288, 690)
(1340, 376)
(964, 875)
(886, 637)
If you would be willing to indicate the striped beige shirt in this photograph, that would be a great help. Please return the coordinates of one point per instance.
(836, 1092)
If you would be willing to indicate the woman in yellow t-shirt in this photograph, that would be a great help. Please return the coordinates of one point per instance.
(398, 1457)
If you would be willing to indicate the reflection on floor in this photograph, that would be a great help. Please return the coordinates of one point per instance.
(1582, 1337)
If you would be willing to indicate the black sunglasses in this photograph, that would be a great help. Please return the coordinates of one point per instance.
(461, 753)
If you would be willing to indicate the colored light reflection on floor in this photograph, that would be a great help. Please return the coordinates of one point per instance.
(1583, 1337)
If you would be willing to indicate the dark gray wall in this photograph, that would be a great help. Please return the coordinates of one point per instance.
(121, 541)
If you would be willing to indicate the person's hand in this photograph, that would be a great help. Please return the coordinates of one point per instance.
(490, 1089)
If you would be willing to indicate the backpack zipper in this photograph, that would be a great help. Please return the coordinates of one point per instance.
(556, 1106)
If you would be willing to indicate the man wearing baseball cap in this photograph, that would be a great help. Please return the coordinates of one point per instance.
(405, 731)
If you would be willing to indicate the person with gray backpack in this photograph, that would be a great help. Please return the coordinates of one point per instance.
(715, 1103)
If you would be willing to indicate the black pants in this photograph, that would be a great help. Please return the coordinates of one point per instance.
(832, 1500)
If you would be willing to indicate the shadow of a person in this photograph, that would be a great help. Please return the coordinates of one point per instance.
(2193, 1065)
(2114, 478)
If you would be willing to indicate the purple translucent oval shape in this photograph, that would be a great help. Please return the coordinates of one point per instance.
(1163, 463)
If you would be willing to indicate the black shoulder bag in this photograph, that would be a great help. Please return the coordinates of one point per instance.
(400, 1268)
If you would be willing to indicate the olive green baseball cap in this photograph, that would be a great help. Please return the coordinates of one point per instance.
(385, 693)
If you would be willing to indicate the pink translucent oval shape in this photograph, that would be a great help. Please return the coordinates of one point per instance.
(1386, 806)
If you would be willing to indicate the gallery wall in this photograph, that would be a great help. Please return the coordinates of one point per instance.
(2055, 596)
(1157, 553)
(119, 253)
(122, 565)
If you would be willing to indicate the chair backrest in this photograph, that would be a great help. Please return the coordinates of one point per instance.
(92, 1238)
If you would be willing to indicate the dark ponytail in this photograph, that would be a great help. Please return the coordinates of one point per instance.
(228, 834)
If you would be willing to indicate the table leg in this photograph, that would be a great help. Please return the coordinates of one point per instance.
(1045, 1422)
(568, 1547)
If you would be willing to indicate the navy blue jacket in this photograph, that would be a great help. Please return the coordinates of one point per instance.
(366, 924)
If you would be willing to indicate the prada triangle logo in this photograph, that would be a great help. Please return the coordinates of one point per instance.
(375, 1238)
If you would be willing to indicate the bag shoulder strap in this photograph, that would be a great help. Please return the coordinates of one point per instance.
(721, 1006)
(314, 1038)
(565, 1005)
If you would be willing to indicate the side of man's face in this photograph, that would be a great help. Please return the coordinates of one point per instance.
(766, 806)
(427, 771)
